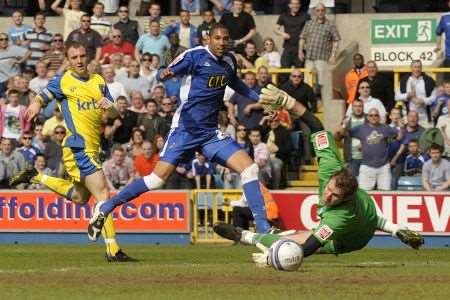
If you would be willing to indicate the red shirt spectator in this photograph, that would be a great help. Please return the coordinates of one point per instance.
(117, 45)
(146, 162)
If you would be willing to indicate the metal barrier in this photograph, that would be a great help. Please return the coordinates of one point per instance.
(308, 73)
(207, 204)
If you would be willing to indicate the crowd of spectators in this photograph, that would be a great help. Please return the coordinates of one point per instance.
(382, 139)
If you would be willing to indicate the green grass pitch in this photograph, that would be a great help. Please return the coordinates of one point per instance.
(218, 272)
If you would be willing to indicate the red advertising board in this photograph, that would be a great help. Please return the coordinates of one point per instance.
(425, 212)
(161, 211)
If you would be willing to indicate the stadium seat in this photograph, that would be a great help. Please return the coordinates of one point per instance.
(410, 183)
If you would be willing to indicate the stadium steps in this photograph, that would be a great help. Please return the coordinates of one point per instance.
(308, 178)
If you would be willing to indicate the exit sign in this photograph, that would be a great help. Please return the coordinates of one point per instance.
(403, 31)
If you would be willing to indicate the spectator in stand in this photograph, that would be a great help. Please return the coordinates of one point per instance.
(116, 45)
(53, 151)
(152, 42)
(439, 107)
(129, 28)
(352, 78)
(203, 172)
(40, 163)
(167, 111)
(444, 28)
(225, 126)
(11, 57)
(417, 90)
(51, 124)
(71, 12)
(328, 4)
(11, 162)
(192, 6)
(119, 129)
(368, 102)
(248, 58)
(13, 122)
(37, 40)
(159, 143)
(175, 48)
(405, 6)
(135, 146)
(436, 171)
(262, 78)
(248, 8)
(443, 123)
(39, 138)
(292, 23)
(98, 21)
(375, 169)
(27, 150)
(154, 11)
(270, 55)
(24, 91)
(133, 81)
(147, 69)
(54, 58)
(241, 26)
(88, 37)
(158, 93)
(137, 103)
(40, 81)
(261, 155)
(414, 160)
(250, 113)
(187, 33)
(119, 170)
(182, 178)
(115, 88)
(352, 146)
(380, 87)
(320, 40)
(18, 29)
(145, 162)
(278, 141)
(222, 6)
(203, 29)
(151, 123)
(111, 6)
(396, 148)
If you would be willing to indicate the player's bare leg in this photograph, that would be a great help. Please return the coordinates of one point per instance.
(151, 182)
(241, 162)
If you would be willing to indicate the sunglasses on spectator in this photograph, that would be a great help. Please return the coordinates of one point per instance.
(146, 59)
(364, 87)
(58, 40)
(86, 21)
(296, 76)
(116, 36)
(3, 39)
(27, 138)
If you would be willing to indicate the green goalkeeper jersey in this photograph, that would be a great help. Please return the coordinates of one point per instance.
(349, 225)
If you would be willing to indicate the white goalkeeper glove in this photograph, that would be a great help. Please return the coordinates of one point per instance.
(261, 259)
(273, 96)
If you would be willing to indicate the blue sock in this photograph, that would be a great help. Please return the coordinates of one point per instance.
(255, 201)
(128, 193)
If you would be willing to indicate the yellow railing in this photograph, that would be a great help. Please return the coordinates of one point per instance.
(433, 72)
(209, 203)
(308, 74)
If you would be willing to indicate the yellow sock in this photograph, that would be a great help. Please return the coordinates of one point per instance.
(60, 186)
(109, 235)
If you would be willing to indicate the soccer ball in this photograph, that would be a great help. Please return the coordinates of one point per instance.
(285, 255)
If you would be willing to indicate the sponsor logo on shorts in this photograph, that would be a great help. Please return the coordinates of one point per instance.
(322, 141)
(324, 232)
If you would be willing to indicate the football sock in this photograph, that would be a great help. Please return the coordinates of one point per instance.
(60, 186)
(128, 193)
(252, 192)
(109, 236)
(267, 239)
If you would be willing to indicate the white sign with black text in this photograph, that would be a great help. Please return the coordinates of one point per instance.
(402, 56)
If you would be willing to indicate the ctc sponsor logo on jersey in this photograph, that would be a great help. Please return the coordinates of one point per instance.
(216, 81)
(86, 105)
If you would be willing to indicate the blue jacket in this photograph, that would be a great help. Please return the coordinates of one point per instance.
(192, 34)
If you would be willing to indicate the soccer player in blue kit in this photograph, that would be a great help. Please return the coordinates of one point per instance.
(207, 71)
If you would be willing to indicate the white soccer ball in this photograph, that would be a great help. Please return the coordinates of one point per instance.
(285, 255)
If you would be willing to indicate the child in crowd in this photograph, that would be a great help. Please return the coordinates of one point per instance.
(414, 160)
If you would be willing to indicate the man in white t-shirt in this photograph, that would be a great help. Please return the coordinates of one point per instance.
(115, 88)
(98, 21)
(40, 81)
(12, 117)
(443, 124)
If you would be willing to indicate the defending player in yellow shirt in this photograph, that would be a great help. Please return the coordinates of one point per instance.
(82, 97)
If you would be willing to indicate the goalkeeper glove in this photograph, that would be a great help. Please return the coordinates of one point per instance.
(261, 259)
(271, 95)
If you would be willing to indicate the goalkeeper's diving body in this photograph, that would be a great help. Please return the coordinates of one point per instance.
(348, 217)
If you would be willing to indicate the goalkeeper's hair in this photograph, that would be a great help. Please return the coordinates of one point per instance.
(346, 182)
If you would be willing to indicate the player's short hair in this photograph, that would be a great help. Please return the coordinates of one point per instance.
(346, 182)
(435, 146)
(75, 45)
(217, 26)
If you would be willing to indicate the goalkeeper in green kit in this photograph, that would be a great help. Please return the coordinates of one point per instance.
(348, 218)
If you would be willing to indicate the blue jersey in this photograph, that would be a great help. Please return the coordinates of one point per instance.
(444, 27)
(204, 78)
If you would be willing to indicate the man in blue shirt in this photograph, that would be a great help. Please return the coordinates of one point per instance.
(444, 28)
(206, 72)
(153, 42)
(17, 31)
(187, 33)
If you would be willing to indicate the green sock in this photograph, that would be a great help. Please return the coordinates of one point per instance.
(266, 239)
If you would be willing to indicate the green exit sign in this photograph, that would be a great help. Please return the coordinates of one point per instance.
(403, 31)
